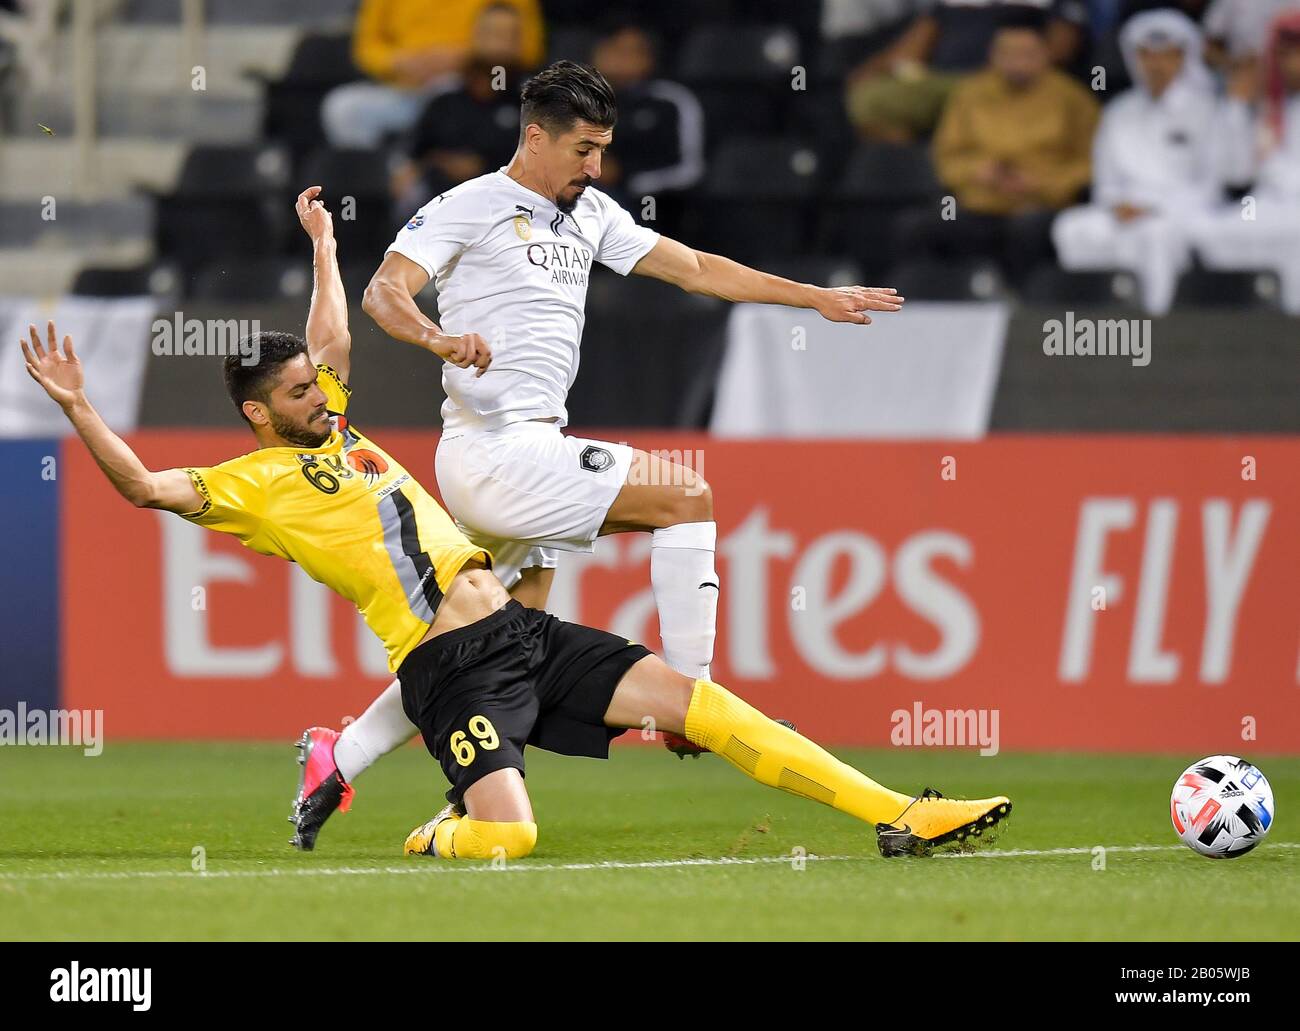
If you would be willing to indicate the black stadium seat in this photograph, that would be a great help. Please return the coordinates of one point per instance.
(933, 280)
(883, 172)
(253, 279)
(1202, 288)
(1048, 284)
(877, 182)
(821, 269)
(355, 183)
(227, 201)
(292, 111)
(158, 280)
(741, 75)
(755, 198)
(570, 43)
(764, 168)
(741, 54)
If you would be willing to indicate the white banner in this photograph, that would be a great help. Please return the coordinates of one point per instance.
(926, 372)
(110, 336)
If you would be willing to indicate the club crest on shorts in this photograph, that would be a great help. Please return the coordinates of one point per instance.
(595, 459)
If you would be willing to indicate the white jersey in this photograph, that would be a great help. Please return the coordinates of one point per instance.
(509, 266)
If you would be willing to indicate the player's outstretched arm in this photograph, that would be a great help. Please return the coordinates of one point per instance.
(699, 272)
(390, 301)
(63, 378)
(328, 340)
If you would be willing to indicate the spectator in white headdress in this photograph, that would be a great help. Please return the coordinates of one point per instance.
(1158, 162)
(1262, 231)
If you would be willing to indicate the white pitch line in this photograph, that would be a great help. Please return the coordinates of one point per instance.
(419, 866)
(1021, 852)
(434, 867)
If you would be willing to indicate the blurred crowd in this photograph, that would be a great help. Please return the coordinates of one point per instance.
(1051, 141)
(1112, 134)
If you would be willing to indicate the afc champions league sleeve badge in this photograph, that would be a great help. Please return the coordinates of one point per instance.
(595, 459)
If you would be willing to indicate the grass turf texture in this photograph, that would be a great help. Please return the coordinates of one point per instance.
(102, 848)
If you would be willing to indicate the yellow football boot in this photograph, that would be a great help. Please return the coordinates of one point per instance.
(932, 822)
(420, 842)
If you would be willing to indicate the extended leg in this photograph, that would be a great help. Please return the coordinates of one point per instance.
(712, 717)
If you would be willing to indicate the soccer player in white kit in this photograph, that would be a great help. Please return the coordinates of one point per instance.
(510, 253)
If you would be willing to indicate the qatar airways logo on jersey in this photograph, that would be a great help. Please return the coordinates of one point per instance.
(567, 263)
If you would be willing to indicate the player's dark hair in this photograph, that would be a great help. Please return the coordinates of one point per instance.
(559, 96)
(253, 382)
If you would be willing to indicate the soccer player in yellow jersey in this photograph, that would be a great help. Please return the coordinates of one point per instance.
(481, 676)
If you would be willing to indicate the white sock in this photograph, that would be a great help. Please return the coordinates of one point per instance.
(373, 734)
(681, 561)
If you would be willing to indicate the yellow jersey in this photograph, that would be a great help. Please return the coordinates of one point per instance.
(350, 516)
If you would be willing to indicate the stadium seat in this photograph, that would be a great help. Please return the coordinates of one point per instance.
(255, 279)
(218, 173)
(755, 198)
(821, 269)
(158, 280)
(1049, 284)
(741, 75)
(764, 168)
(570, 43)
(882, 172)
(227, 201)
(292, 112)
(754, 54)
(1202, 288)
(362, 176)
(930, 280)
(877, 182)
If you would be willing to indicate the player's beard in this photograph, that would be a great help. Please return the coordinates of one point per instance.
(566, 206)
(294, 433)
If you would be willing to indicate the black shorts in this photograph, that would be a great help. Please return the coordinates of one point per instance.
(481, 692)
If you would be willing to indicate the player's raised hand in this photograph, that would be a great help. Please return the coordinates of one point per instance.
(60, 374)
(468, 349)
(314, 216)
(851, 303)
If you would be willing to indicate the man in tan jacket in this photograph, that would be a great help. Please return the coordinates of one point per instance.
(1012, 149)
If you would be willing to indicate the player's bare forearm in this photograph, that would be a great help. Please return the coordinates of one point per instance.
(139, 485)
(61, 376)
(394, 310)
(390, 300)
(328, 340)
(713, 275)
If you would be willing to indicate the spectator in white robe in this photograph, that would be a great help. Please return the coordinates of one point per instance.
(1262, 231)
(1157, 162)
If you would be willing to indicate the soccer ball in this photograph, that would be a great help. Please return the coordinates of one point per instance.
(1222, 807)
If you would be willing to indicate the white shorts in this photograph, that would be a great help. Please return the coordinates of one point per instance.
(526, 491)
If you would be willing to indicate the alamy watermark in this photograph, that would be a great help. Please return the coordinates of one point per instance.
(83, 728)
(1107, 338)
(207, 337)
(676, 468)
(945, 728)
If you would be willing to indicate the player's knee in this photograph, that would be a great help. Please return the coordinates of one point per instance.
(694, 503)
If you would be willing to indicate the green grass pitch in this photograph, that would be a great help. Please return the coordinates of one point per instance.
(644, 846)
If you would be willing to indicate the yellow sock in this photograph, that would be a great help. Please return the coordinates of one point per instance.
(462, 838)
(778, 757)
